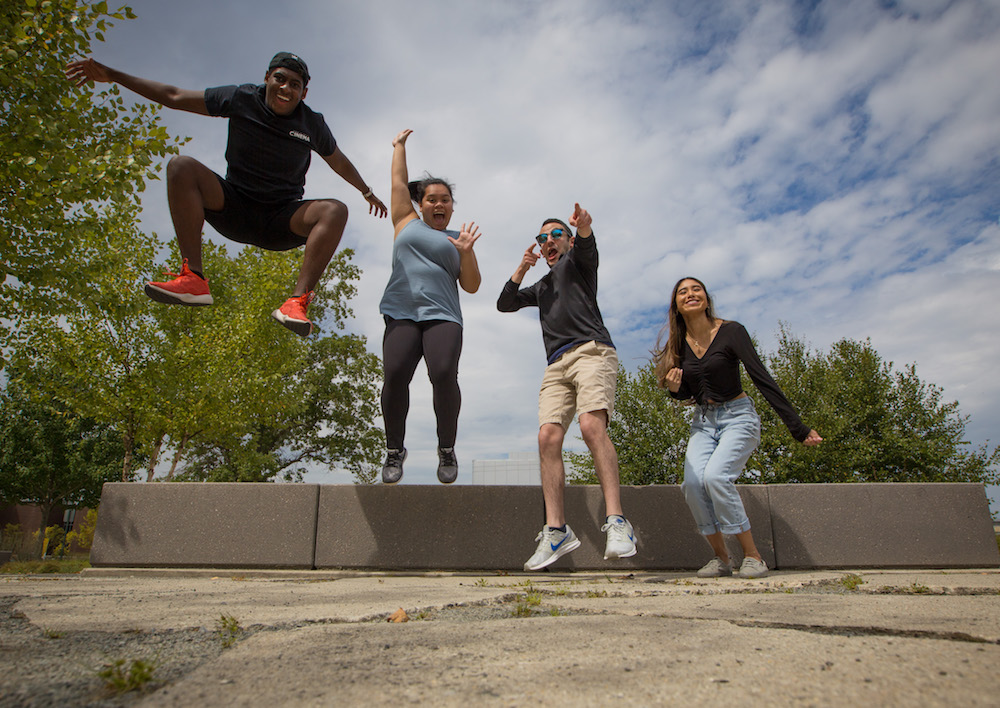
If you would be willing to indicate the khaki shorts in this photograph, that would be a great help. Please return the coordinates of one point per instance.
(581, 381)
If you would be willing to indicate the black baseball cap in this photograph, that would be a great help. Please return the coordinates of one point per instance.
(287, 60)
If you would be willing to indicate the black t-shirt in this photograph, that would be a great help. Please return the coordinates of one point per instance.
(566, 298)
(716, 376)
(268, 155)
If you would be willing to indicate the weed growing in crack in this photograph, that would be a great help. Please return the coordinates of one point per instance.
(851, 581)
(122, 677)
(527, 604)
(229, 630)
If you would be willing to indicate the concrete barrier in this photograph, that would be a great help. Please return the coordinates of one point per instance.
(493, 527)
(221, 525)
(882, 526)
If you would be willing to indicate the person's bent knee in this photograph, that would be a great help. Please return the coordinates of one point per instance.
(718, 482)
(330, 211)
(183, 166)
(593, 427)
(550, 436)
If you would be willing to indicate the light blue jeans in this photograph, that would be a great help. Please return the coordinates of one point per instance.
(722, 438)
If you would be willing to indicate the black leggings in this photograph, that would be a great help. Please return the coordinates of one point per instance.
(405, 342)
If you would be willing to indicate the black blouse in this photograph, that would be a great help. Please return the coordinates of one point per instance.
(715, 377)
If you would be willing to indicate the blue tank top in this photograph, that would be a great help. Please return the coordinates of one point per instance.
(424, 281)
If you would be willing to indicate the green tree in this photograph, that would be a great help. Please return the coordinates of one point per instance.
(49, 455)
(268, 404)
(879, 424)
(72, 162)
(222, 392)
(108, 349)
(331, 392)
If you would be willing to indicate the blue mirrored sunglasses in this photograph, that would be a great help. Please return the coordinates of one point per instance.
(554, 233)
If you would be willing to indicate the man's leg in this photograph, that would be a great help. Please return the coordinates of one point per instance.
(553, 543)
(594, 428)
(191, 188)
(621, 536)
(550, 442)
(322, 223)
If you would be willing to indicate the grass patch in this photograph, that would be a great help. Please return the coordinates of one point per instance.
(527, 604)
(49, 565)
(123, 677)
(229, 630)
(851, 581)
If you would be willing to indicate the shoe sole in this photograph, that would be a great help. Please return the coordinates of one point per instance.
(563, 550)
(612, 556)
(168, 298)
(447, 479)
(303, 329)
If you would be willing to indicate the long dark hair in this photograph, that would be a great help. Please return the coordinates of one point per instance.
(419, 186)
(667, 355)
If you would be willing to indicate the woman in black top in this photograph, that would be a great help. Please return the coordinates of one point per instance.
(700, 362)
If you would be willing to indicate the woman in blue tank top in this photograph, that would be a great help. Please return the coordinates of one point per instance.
(423, 317)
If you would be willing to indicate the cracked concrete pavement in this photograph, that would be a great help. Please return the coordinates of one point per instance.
(312, 638)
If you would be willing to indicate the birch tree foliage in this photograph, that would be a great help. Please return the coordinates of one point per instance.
(72, 161)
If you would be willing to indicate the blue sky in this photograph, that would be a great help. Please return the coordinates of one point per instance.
(831, 165)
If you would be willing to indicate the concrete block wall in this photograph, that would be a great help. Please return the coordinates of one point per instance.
(493, 528)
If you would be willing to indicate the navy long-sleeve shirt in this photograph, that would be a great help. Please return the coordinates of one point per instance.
(566, 298)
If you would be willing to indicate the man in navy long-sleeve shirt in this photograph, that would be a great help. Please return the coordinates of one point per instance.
(580, 378)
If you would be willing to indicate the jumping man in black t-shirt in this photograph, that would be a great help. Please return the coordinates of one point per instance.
(272, 134)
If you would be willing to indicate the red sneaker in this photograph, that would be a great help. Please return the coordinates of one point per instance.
(186, 288)
(293, 314)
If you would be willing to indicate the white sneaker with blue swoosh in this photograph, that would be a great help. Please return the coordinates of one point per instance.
(552, 545)
(621, 538)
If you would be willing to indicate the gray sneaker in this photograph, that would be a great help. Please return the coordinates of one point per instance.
(752, 568)
(715, 568)
(447, 465)
(392, 470)
(552, 545)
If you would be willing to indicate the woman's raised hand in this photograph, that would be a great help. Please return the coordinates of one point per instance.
(467, 238)
(401, 138)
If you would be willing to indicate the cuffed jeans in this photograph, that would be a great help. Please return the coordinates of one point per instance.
(722, 438)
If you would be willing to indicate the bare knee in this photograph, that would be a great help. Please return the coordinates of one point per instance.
(594, 428)
(183, 168)
(329, 212)
(550, 439)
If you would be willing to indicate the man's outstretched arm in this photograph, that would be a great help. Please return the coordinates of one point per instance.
(345, 168)
(83, 71)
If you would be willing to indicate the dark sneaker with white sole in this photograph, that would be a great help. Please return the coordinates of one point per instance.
(392, 470)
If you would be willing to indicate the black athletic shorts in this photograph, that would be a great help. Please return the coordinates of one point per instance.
(246, 220)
